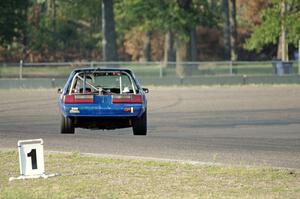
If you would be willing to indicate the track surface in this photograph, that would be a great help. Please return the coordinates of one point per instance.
(251, 125)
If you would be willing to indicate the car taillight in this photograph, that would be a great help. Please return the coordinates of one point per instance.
(130, 99)
(78, 99)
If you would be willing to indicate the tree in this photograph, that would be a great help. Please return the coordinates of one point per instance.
(182, 18)
(141, 17)
(72, 29)
(233, 31)
(280, 22)
(13, 14)
(176, 18)
(147, 47)
(226, 29)
(63, 30)
(109, 34)
(251, 14)
(184, 43)
(51, 12)
(169, 49)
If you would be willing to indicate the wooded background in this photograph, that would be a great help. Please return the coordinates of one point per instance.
(148, 30)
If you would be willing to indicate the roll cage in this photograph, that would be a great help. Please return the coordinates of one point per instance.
(87, 79)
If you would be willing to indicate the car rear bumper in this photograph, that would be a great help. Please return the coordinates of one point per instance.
(82, 110)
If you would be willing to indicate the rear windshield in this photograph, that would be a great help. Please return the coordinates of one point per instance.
(102, 83)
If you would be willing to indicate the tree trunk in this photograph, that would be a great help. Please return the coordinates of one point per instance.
(147, 47)
(212, 5)
(279, 48)
(282, 50)
(24, 32)
(109, 34)
(184, 47)
(193, 45)
(170, 53)
(233, 32)
(53, 16)
(181, 57)
(51, 13)
(226, 30)
(186, 51)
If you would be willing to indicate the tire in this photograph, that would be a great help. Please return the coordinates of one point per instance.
(66, 125)
(139, 126)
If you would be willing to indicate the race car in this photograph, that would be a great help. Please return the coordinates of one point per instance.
(103, 98)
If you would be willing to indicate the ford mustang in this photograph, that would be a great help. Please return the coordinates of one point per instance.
(103, 98)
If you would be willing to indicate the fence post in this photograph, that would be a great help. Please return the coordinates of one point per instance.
(161, 70)
(230, 67)
(244, 79)
(21, 70)
(53, 82)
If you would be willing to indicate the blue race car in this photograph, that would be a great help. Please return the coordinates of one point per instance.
(98, 98)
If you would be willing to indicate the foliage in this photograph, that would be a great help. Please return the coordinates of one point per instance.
(76, 26)
(249, 12)
(12, 14)
(269, 30)
(29, 29)
(161, 15)
(135, 17)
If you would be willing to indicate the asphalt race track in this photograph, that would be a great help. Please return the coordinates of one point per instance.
(247, 125)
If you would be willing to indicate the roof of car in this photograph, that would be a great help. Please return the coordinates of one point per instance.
(102, 69)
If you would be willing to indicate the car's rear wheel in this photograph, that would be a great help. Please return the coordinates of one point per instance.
(139, 125)
(66, 125)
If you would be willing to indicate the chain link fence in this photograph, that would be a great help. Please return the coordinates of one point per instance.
(47, 75)
(153, 69)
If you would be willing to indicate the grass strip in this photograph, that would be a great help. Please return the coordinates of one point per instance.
(140, 70)
(104, 177)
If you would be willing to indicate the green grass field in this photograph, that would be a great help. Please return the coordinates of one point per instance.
(104, 177)
(54, 71)
(150, 70)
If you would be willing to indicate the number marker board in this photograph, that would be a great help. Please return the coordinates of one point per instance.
(31, 157)
(31, 160)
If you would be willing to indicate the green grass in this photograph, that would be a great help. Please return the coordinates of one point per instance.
(52, 71)
(35, 71)
(148, 70)
(103, 177)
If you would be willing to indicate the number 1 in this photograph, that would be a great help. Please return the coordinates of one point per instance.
(32, 154)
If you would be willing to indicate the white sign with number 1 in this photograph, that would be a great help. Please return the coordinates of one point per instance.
(31, 158)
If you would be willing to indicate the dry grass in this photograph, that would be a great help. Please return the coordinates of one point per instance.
(102, 177)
